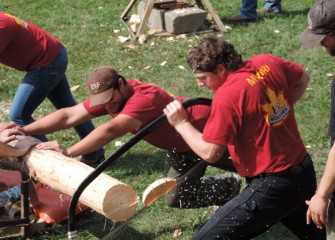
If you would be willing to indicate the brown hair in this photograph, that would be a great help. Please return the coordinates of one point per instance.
(116, 78)
(212, 51)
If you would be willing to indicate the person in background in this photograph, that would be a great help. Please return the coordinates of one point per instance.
(321, 30)
(252, 115)
(26, 47)
(248, 10)
(132, 105)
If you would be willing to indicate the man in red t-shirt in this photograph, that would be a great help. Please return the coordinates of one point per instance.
(252, 115)
(134, 104)
(26, 47)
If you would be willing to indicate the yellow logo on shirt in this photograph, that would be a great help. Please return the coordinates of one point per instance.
(277, 110)
(259, 75)
(18, 20)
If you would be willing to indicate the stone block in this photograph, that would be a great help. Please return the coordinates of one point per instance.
(176, 21)
(156, 18)
(184, 20)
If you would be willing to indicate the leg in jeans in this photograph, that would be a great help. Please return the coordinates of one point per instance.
(63, 89)
(248, 10)
(273, 6)
(28, 97)
(197, 191)
(39, 84)
(265, 201)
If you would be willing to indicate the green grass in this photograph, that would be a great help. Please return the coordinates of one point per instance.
(86, 28)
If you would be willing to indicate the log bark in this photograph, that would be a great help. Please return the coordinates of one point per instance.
(106, 195)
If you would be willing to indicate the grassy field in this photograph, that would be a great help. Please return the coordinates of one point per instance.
(90, 31)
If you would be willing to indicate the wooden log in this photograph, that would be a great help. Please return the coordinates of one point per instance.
(106, 195)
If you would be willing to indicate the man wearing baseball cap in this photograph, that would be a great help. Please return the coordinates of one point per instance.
(321, 30)
(321, 26)
(132, 105)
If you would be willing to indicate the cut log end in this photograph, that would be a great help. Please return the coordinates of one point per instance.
(157, 189)
(120, 203)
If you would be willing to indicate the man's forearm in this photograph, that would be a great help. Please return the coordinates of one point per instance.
(51, 123)
(177, 117)
(97, 139)
(300, 87)
(207, 151)
(327, 183)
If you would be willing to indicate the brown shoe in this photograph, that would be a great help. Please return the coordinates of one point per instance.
(238, 19)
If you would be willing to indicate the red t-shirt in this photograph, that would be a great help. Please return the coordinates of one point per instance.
(146, 105)
(253, 115)
(24, 46)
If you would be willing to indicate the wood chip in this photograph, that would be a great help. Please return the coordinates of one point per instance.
(135, 19)
(142, 38)
(133, 28)
(122, 39)
(154, 31)
(170, 39)
(131, 46)
(74, 88)
(177, 233)
(118, 144)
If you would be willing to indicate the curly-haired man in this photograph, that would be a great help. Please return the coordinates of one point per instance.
(252, 115)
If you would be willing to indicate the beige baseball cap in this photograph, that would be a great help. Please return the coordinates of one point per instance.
(100, 85)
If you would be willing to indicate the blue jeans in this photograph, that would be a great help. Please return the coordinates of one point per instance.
(248, 10)
(266, 200)
(46, 82)
(273, 6)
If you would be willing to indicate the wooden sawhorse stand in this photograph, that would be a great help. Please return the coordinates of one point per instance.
(150, 6)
